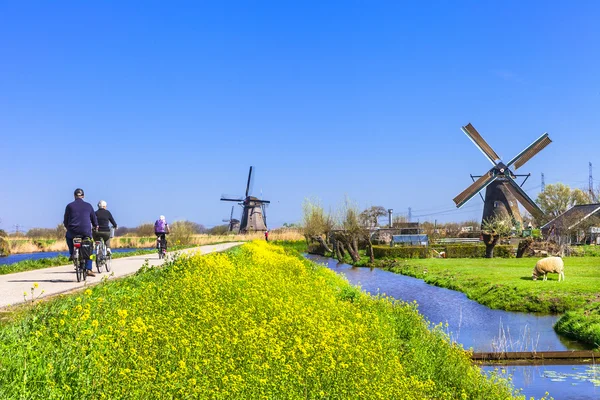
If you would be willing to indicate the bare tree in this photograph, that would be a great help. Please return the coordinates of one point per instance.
(370, 216)
(316, 223)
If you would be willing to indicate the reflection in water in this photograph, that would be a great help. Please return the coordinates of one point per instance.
(483, 329)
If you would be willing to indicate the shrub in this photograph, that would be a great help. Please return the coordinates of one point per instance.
(401, 252)
(4, 247)
(145, 230)
(477, 251)
(452, 251)
(182, 232)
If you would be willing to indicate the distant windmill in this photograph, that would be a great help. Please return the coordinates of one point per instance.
(234, 224)
(502, 192)
(254, 216)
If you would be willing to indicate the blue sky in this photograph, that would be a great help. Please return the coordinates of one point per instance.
(160, 107)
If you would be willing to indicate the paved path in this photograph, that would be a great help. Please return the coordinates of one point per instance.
(62, 279)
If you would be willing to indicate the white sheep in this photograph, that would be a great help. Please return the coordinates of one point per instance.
(549, 265)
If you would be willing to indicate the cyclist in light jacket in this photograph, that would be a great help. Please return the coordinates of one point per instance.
(161, 229)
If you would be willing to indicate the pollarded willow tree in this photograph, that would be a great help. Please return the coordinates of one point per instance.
(316, 223)
(495, 228)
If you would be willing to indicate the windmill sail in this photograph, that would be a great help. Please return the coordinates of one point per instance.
(530, 151)
(475, 187)
(481, 144)
(524, 199)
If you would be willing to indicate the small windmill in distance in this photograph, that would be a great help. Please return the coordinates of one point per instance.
(254, 216)
(234, 224)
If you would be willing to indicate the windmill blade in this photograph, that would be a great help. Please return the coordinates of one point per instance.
(249, 181)
(475, 187)
(231, 199)
(481, 144)
(524, 199)
(530, 151)
(264, 210)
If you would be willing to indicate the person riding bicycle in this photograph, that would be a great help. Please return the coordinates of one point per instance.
(79, 219)
(161, 229)
(104, 217)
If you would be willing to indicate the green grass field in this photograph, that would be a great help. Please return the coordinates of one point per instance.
(506, 284)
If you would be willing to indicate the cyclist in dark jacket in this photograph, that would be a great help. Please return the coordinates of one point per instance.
(104, 217)
(79, 220)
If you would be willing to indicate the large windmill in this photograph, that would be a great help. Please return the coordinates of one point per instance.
(254, 216)
(234, 224)
(502, 191)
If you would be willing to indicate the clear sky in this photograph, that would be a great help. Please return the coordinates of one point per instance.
(160, 107)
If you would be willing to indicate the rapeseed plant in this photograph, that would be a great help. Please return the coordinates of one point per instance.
(256, 322)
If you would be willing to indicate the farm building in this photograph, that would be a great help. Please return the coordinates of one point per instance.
(578, 225)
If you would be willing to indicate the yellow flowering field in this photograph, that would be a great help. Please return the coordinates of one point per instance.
(258, 322)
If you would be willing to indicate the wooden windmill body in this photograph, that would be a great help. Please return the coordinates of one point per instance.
(254, 216)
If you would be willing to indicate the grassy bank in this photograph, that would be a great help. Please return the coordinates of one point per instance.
(255, 322)
(506, 284)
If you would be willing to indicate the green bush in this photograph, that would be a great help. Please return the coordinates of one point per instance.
(182, 232)
(4, 247)
(401, 252)
(452, 251)
(477, 251)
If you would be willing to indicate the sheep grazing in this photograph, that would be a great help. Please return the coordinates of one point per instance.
(549, 265)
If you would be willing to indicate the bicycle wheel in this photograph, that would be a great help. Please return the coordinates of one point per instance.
(99, 258)
(83, 269)
(107, 262)
(76, 263)
(160, 253)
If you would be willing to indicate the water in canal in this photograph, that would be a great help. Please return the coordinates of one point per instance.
(13, 258)
(483, 329)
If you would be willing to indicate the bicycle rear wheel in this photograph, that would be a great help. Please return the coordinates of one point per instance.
(107, 262)
(83, 269)
(99, 258)
(76, 263)
(78, 273)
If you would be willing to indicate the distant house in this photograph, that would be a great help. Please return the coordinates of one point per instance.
(579, 224)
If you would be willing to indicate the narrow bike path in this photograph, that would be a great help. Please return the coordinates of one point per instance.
(61, 279)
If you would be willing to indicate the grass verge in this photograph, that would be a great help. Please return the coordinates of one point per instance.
(255, 322)
(41, 263)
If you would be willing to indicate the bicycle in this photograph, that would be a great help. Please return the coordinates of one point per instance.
(161, 246)
(81, 248)
(103, 257)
